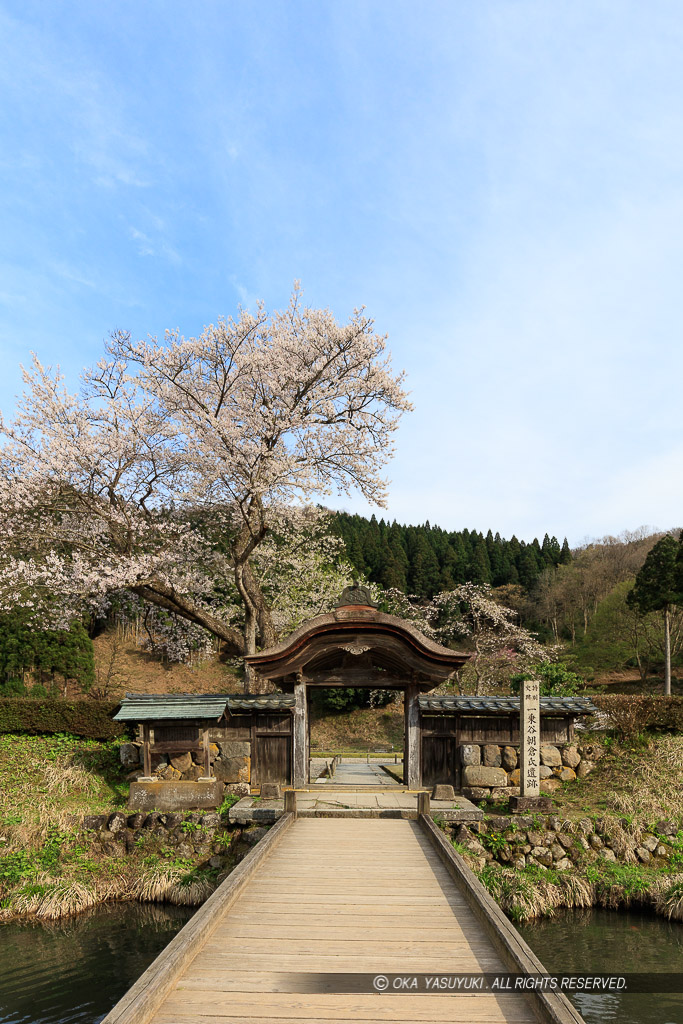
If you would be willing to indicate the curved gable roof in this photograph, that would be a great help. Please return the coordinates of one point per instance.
(398, 640)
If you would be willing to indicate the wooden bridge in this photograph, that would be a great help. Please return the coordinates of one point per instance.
(320, 897)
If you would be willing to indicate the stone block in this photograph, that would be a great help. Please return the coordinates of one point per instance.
(270, 791)
(239, 789)
(550, 755)
(491, 752)
(94, 822)
(565, 774)
(129, 754)
(136, 820)
(666, 827)
(550, 785)
(584, 769)
(504, 792)
(233, 769)
(544, 772)
(509, 758)
(476, 792)
(479, 775)
(650, 842)
(529, 804)
(254, 835)
(174, 796)
(234, 748)
(182, 762)
(571, 757)
(513, 777)
(563, 865)
(193, 773)
(117, 821)
(470, 754)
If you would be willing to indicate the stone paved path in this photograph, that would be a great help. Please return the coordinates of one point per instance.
(359, 773)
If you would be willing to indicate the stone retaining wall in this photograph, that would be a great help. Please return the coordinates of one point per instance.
(551, 842)
(491, 771)
(197, 835)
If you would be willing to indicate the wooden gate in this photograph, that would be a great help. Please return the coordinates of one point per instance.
(271, 749)
(439, 750)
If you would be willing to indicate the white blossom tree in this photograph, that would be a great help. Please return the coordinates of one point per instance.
(469, 616)
(174, 462)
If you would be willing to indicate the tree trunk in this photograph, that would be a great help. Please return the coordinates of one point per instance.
(165, 597)
(667, 651)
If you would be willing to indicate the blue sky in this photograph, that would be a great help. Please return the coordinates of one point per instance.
(498, 182)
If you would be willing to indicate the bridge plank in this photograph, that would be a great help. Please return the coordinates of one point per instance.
(341, 896)
(383, 1007)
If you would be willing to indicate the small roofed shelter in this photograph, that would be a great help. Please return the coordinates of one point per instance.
(233, 738)
(356, 645)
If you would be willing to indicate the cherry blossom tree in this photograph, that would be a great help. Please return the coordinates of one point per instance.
(470, 617)
(168, 470)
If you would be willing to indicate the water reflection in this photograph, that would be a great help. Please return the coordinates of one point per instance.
(604, 941)
(76, 970)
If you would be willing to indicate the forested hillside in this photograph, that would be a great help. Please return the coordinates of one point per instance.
(423, 560)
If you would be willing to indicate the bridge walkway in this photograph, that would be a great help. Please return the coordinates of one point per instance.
(342, 895)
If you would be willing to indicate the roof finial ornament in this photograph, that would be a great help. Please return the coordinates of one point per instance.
(356, 594)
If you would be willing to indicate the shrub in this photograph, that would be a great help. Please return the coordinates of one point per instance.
(632, 713)
(554, 677)
(89, 718)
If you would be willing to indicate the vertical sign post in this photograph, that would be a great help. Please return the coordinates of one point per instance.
(530, 738)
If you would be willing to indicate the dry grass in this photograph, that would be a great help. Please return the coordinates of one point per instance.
(654, 783)
(668, 898)
(639, 780)
(526, 896)
(172, 885)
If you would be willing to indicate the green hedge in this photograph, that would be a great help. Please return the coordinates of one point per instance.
(89, 718)
(632, 713)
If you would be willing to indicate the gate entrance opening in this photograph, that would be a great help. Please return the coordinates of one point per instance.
(356, 646)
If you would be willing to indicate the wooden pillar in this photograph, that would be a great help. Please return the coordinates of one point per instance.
(300, 736)
(412, 771)
(146, 757)
(205, 749)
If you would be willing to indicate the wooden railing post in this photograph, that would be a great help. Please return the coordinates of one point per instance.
(423, 803)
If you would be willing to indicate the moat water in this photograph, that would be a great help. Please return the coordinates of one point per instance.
(74, 972)
(613, 942)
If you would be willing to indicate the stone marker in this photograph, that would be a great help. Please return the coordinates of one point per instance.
(442, 791)
(270, 791)
(530, 738)
(529, 751)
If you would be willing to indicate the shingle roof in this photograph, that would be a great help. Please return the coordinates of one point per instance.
(549, 705)
(144, 707)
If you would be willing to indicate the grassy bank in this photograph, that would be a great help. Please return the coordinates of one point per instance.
(51, 867)
(617, 836)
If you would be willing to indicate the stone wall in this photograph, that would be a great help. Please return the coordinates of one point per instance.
(552, 842)
(230, 760)
(490, 771)
(202, 836)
